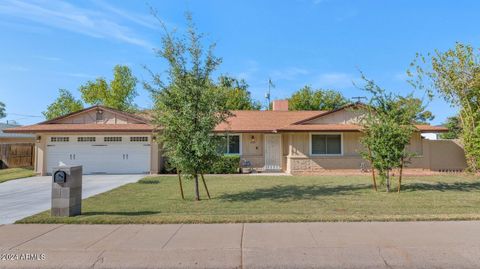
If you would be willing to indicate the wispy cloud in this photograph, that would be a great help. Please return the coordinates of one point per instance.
(250, 71)
(62, 15)
(140, 19)
(14, 67)
(77, 75)
(289, 73)
(48, 58)
(335, 80)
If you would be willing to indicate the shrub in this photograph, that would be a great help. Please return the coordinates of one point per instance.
(167, 167)
(227, 164)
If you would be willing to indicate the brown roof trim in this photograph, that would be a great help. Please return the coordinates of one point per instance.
(425, 128)
(42, 128)
(126, 114)
(245, 131)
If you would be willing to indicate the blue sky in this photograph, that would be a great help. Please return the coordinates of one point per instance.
(48, 45)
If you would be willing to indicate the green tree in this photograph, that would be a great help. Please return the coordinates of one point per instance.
(308, 99)
(237, 94)
(454, 128)
(3, 114)
(119, 93)
(423, 116)
(64, 104)
(455, 75)
(388, 126)
(188, 105)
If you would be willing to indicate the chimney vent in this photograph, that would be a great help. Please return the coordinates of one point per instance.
(280, 105)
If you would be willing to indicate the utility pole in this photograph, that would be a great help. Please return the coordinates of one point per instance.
(267, 94)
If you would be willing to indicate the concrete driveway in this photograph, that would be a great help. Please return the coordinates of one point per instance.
(21, 198)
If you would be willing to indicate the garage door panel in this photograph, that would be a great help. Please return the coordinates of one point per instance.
(114, 158)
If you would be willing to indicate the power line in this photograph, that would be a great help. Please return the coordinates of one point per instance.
(24, 115)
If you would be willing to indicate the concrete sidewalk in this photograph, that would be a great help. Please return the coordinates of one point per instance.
(267, 245)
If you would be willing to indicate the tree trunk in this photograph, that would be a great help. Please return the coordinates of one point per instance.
(197, 191)
(180, 182)
(205, 185)
(388, 181)
(400, 176)
(373, 170)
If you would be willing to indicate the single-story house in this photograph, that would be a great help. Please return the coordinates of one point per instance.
(105, 140)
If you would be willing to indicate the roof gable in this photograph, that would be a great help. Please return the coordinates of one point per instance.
(88, 116)
(326, 113)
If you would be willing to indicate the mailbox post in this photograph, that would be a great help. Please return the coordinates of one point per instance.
(67, 191)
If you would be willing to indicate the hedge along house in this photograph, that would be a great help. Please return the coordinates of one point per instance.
(106, 140)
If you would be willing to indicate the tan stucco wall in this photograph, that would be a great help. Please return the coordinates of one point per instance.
(41, 146)
(434, 155)
(253, 151)
(40, 165)
(441, 155)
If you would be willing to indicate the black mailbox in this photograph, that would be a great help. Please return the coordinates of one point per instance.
(60, 177)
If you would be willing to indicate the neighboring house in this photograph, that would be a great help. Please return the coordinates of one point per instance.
(14, 138)
(430, 136)
(106, 140)
(16, 149)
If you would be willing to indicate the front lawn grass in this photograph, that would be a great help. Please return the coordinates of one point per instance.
(281, 199)
(15, 173)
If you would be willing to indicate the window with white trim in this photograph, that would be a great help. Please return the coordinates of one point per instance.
(139, 139)
(230, 144)
(326, 144)
(59, 139)
(112, 139)
(86, 139)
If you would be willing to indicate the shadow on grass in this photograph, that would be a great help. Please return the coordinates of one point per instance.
(457, 186)
(293, 192)
(134, 213)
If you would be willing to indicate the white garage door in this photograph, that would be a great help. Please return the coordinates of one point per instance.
(100, 154)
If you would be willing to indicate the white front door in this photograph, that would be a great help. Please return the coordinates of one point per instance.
(273, 152)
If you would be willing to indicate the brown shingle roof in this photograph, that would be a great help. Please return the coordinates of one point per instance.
(424, 128)
(241, 121)
(262, 121)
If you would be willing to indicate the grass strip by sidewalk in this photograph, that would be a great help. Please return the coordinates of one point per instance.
(15, 173)
(280, 199)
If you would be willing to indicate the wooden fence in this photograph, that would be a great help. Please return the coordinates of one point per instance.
(16, 155)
